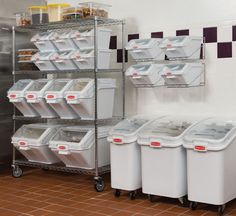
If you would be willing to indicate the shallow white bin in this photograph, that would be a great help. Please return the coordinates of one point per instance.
(32, 141)
(145, 74)
(164, 166)
(125, 153)
(43, 41)
(44, 61)
(35, 96)
(54, 95)
(80, 96)
(183, 74)
(85, 39)
(187, 47)
(145, 49)
(16, 96)
(211, 149)
(75, 146)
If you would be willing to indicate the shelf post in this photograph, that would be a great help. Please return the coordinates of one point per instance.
(123, 68)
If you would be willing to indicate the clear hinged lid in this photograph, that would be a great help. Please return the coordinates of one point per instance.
(42, 56)
(143, 69)
(142, 43)
(178, 41)
(65, 34)
(58, 85)
(43, 36)
(20, 85)
(80, 84)
(176, 69)
(38, 85)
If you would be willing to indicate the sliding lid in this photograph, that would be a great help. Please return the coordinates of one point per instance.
(18, 89)
(142, 43)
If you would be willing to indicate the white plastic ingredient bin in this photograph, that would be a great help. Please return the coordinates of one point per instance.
(145, 49)
(35, 96)
(43, 60)
(80, 96)
(75, 146)
(32, 141)
(16, 96)
(186, 47)
(54, 95)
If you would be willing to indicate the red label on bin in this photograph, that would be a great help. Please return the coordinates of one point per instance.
(117, 140)
(12, 96)
(50, 96)
(156, 144)
(70, 97)
(169, 45)
(135, 46)
(62, 147)
(22, 143)
(200, 148)
(168, 73)
(30, 96)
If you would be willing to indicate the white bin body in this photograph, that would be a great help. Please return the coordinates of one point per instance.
(44, 61)
(187, 47)
(145, 49)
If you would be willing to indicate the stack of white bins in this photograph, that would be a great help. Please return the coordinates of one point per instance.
(32, 141)
(75, 146)
(126, 155)
(211, 150)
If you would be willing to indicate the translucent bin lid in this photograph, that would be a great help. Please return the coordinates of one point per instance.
(20, 85)
(178, 41)
(45, 56)
(58, 85)
(80, 84)
(143, 69)
(173, 69)
(38, 85)
(43, 36)
(142, 43)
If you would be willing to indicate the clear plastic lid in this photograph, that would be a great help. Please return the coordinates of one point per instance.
(20, 85)
(68, 135)
(58, 85)
(178, 39)
(176, 67)
(38, 85)
(141, 68)
(29, 132)
(78, 85)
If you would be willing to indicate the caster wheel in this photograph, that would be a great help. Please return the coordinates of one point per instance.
(99, 185)
(184, 201)
(193, 205)
(221, 209)
(132, 195)
(117, 193)
(17, 172)
(150, 197)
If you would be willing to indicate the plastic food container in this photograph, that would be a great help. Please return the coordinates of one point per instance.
(55, 11)
(26, 52)
(72, 13)
(39, 14)
(16, 96)
(64, 60)
(186, 47)
(24, 59)
(75, 146)
(183, 74)
(145, 49)
(164, 166)
(211, 149)
(22, 19)
(43, 60)
(92, 9)
(54, 96)
(32, 141)
(35, 97)
(145, 74)
(80, 96)
(85, 39)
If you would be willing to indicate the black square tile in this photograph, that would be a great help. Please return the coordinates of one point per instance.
(120, 56)
(233, 33)
(224, 50)
(182, 32)
(133, 36)
(210, 34)
(113, 42)
(157, 35)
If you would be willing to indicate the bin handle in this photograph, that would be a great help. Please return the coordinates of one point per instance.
(40, 62)
(81, 38)
(137, 51)
(40, 42)
(170, 76)
(60, 41)
(59, 61)
(171, 49)
(81, 60)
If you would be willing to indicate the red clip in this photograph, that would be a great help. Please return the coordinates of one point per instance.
(117, 140)
(155, 144)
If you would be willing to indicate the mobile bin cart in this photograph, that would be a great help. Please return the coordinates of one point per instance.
(16, 96)
(145, 49)
(186, 47)
(145, 74)
(164, 167)
(75, 146)
(211, 149)
(44, 61)
(32, 141)
(54, 95)
(187, 74)
(35, 96)
(80, 96)
(126, 155)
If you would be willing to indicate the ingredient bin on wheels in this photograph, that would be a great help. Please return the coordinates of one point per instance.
(16, 96)
(80, 96)
(164, 167)
(75, 146)
(126, 155)
(211, 149)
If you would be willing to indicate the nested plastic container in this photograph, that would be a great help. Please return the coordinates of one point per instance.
(54, 95)
(85, 39)
(16, 96)
(43, 60)
(72, 13)
(32, 141)
(125, 153)
(23, 19)
(187, 47)
(183, 74)
(35, 97)
(211, 149)
(145, 74)
(80, 96)
(64, 60)
(75, 146)
(43, 41)
(55, 11)
(39, 14)
(164, 165)
(145, 49)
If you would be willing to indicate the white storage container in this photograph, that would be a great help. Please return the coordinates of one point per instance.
(186, 47)
(35, 96)
(32, 141)
(211, 149)
(54, 95)
(85, 39)
(75, 146)
(43, 60)
(16, 96)
(43, 41)
(145, 49)
(84, 59)
(183, 74)
(164, 166)
(126, 155)
(145, 74)
(80, 96)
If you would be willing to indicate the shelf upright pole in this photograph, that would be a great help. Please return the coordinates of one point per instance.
(123, 68)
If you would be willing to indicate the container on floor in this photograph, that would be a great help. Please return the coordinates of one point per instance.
(43, 60)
